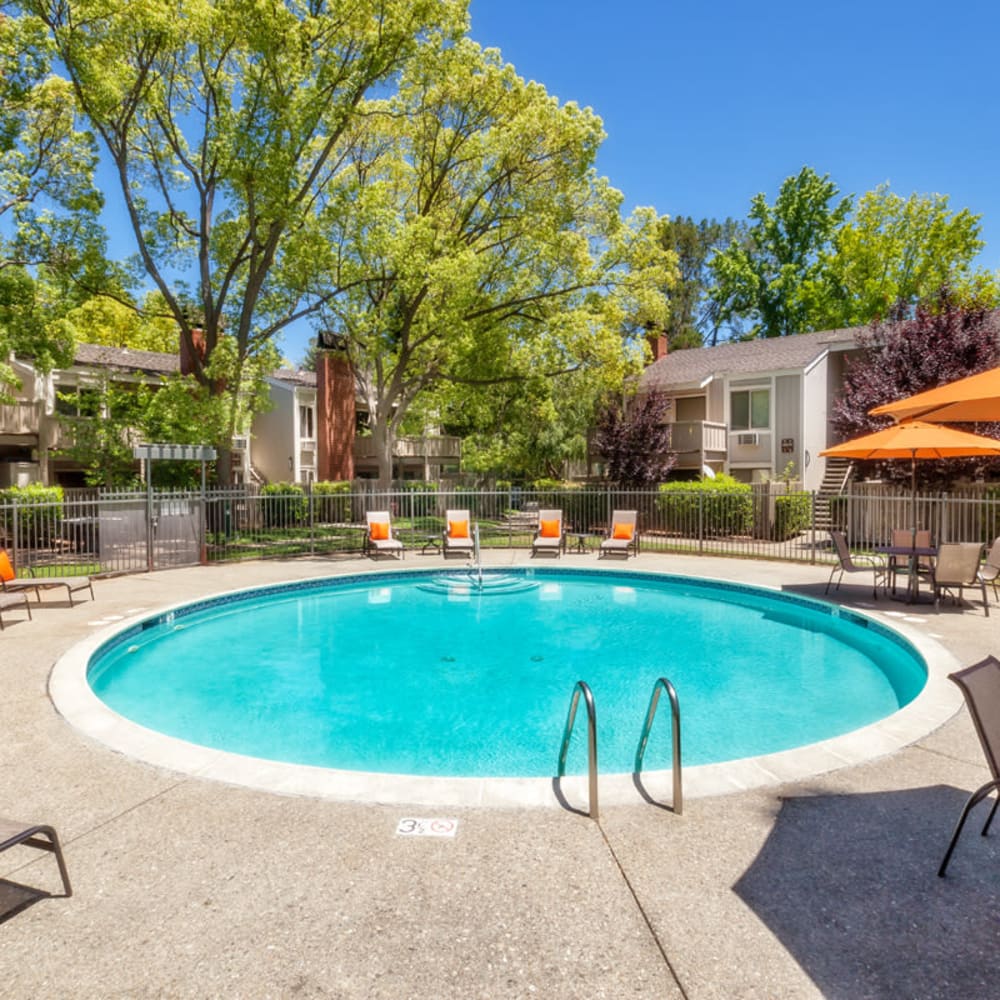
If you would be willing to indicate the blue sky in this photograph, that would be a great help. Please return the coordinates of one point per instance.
(705, 105)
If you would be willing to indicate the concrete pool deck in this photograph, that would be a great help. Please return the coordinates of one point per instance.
(187, 887)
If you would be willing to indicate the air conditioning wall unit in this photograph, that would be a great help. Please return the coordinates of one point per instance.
(748, 438)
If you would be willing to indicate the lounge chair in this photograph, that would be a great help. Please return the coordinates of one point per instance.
(957, 567)
(980, 685)
(457, 535)
(12, 601)
(44, 838)
(10, 582)
(989, 572)
(622, 535)
(847, 563)
(379, 537)
(901, 564)
(549, 534)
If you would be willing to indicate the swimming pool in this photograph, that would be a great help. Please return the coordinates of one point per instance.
(327, 673)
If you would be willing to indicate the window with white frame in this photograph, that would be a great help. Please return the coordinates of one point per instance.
(750, 409)
(307, 427)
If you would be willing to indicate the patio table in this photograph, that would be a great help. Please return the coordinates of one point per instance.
(912, 554)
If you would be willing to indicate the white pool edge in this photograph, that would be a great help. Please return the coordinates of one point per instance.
(85, 712)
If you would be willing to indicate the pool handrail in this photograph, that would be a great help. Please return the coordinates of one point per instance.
(662, 684)
(581, 687)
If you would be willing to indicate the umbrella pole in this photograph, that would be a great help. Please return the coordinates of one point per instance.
(913, 498)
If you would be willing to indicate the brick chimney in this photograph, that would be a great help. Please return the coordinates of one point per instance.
(187, 360)
(658, 345)
(335, 417)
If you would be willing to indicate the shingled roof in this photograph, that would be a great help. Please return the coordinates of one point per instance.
(125, 359)
(694, 367)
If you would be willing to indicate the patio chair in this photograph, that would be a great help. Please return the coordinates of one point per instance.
(980, 685)
(379, 537)
(900, 564)
(989, 572)
(957, 567)
(457, 534)
(622, 535)
(848, 563)
(44, 838)
(549, 534)
(12, 583)
(12, 601)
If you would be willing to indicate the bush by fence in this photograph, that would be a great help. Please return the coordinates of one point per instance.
(712, 507)
(792, 515)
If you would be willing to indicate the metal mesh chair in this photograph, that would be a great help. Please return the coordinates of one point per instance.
(848, 563)
(980, 685)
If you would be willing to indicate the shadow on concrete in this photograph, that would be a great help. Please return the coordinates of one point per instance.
(848, 884)
(15, 898)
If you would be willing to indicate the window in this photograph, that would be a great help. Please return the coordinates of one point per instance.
(750, 409)
(306, 429)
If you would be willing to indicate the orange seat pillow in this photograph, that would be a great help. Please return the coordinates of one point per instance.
(6, 570)
(622, 531)
(379, 531)
(549, 529)
(458, 529)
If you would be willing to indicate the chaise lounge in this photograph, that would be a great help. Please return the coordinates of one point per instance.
(379, 538)
(44, 838)
(549, 534)
(457, 537)
(622, 534)
(10, 582)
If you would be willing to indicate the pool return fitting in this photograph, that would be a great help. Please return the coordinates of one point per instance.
(662, 684)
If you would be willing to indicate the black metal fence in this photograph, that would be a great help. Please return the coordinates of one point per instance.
(90, 532)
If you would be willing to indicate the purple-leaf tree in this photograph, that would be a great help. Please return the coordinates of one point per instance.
(634, 440)
(942, 341)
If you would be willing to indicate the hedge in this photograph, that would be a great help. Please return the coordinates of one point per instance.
(719, 506)
(39, 512)
(283, 505)
(792, 515)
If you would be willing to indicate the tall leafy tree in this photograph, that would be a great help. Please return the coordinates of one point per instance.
(634, 439)
(945, 339)
(48, 202)
(775, 276)
(483, 248)
(898, 250)
(694, 314)
(228, 125)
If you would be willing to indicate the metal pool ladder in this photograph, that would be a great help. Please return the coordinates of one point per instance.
(581, 687)
(675, 712)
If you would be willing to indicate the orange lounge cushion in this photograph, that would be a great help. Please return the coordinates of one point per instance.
(622, 531)
(458, 529)
(379, 531)
(549, 529)
(6, 570)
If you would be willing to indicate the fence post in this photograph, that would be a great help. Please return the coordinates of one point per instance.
(812, 530)
(701, 522)
(17, 534)
(203, 522)
(312, 519)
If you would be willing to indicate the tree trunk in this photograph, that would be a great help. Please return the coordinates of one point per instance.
(384, 436)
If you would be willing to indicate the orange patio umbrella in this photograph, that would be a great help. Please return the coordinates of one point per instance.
(974, 399)
(915, 440)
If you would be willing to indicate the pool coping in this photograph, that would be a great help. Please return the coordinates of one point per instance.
(86, 713)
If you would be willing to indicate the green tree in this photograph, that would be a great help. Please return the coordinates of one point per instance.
(694, 314)
(775, 277)
(48, 203)
(228, 126)
(118, 323)
(895, 250)
(483, 248)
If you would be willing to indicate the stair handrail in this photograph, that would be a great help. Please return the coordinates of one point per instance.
(581, 687)
(662, 684)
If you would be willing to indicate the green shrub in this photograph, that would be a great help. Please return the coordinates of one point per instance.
(719, 506)
(39, 512)
(283, 505)
(331, 501)
(792, 515)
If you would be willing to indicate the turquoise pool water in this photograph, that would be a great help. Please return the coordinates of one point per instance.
(413, 674)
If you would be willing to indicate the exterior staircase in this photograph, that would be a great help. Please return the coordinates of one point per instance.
(838, 474)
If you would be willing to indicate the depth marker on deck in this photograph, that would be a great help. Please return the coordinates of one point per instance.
(414, 826)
